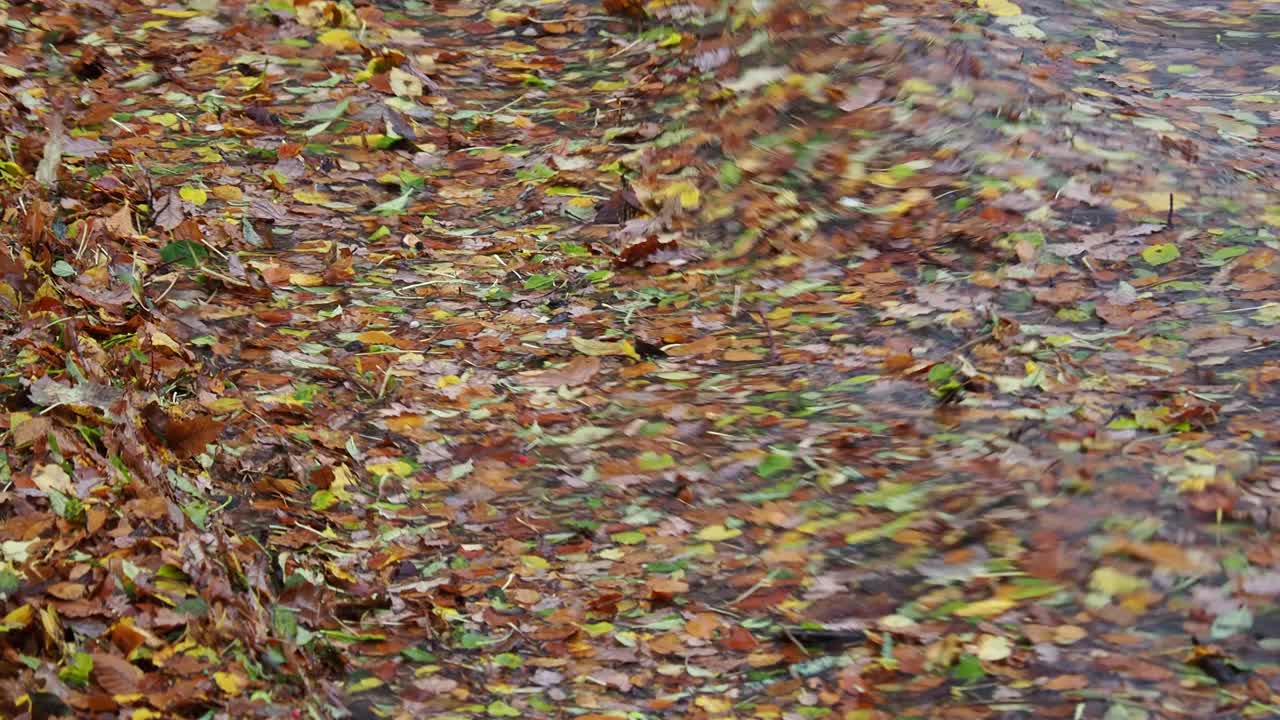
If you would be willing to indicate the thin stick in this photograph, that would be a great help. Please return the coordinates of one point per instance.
(762, 582)
(773, 349)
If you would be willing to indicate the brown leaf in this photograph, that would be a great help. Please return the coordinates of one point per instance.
(577, 371)
(864, 93)
(120, 223)
(1067, 682)
(1163, 554)
(186, 437)
(739, 639)
(168, 211)
(66, 590)
(30, 431)
(115, 674)
(701, 346)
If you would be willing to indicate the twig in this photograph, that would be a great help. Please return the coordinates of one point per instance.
(768, 337)
(976, 341)
(386, 377)
(795, 642)
(762, 582)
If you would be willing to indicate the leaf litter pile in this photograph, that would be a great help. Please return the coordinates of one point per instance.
(672, 359)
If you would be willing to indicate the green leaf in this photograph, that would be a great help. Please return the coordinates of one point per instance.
(1221, 256)
(628, 537)
(418, 655)
(63, 269)
(9, 583)
(1120, 711)
(537, 174)
(968, 669)
(774, 492)
(66, 507)
(650, 460)
(1161, 253)
(799, 287)
(498, 708)
(941, 373)
(1231, 623)
(184, 252)
(285, 622)
(537, 282)
(730, 173)
(585, 435)
(896, 497)
(77, 670)
(471, 640)
(508, 660)
(773, 464)
(393, 207)
(323, 500)
(198, 511)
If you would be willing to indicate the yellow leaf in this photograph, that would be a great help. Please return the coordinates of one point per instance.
(53, 477)
(609, 85)
(882, 178)
(1000, 8)
(718, 533)
(339, 39)
(517, 48)
(376, 337)
(713, 706)
(339, 572)
(162, 339)
(1067, 634)
(230, 683)
(365, 683)
(688, 195)
(20, 617)
(533, 562)
(229, 193)
(403, 84)
(225, 405)
(342, 482)
(502, 17)
(394, 467)
(403, 423)
(597, 348)
(916, 86)
(1157, 201)
(1272, 216)
(993, 648)
(986, 608)
(1109, 581)
(165, 12)
(164, 119)
(311, 197)
(305, 280)
(910, 199)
